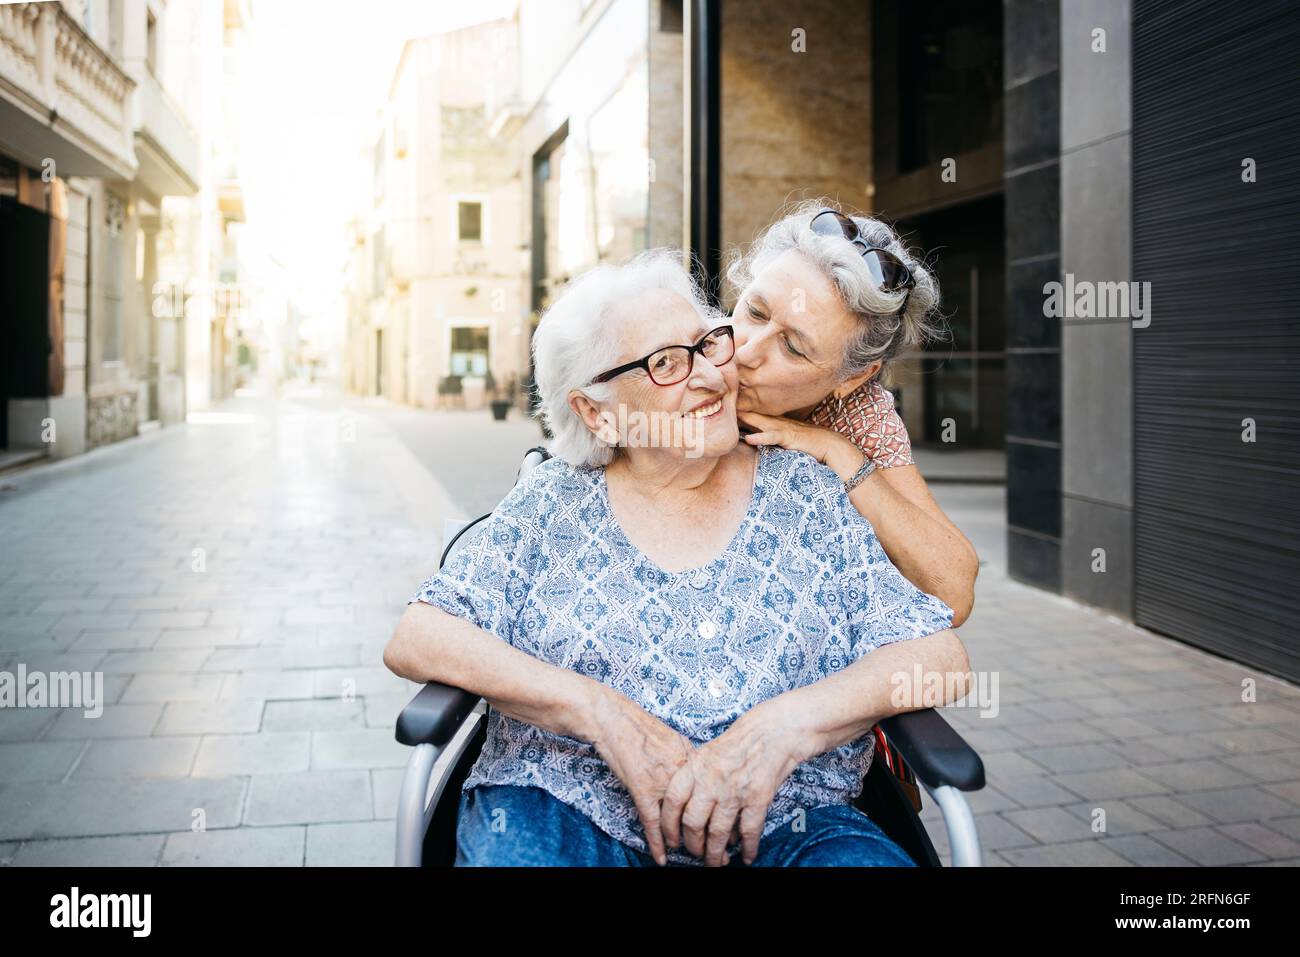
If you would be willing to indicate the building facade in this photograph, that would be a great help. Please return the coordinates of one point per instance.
(100, 175)
(1069, 167)
(510, 157)
(436, 314)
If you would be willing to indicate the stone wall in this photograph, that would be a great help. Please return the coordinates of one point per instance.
(795, 125)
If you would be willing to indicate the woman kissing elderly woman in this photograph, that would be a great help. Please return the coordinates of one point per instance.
(684, 644)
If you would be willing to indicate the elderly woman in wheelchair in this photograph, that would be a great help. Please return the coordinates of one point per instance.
(684, 638)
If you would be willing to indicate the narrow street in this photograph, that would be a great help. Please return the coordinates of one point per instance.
(236, 578)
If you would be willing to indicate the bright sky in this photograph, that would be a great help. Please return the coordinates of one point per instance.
(317, 72)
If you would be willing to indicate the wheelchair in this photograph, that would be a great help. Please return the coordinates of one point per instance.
(446, 728)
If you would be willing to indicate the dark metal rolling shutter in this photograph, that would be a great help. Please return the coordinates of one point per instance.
(1216, 519)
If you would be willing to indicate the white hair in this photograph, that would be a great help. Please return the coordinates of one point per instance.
(882, 332)
(576, 340)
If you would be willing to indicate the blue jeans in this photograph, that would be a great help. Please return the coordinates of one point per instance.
(557, 835)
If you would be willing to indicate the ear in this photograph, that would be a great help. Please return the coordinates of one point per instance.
(598, 421)
(849, 385)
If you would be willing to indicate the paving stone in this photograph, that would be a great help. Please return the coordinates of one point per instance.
(370, 748)
(112, 806)
(1177, 747)
(1287, 790)
(38, 760)
(1203, 775)
(170, 619)
(116, 640)
(1167, 810)
(222, 755)
(309, 797)
(116, 721)
(335, 682)
(1235, 805)
(153, 661)
(166, 687)
(1092, 853)
(1110, 783)
(205, 638)
(1060, 733)
(289, 659)
(382, 711)
(1048, 825)
(1187, 721)
(25, 724)
(1207, 847)
(1031, 792)
(236, 847)
(137, 758)
(361, 844)
(58, 661)
(319, 714)
(1121, 817)
(1289, 826)
(1263, 839)
(1075, 758)
(1143, 851)
(269, 685)
(1250, 740)
(133, 850)
(386, 785)
(1001, 765)
(233, 716)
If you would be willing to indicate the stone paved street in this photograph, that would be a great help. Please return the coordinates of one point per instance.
(235, 580)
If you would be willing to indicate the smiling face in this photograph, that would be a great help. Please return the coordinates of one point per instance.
(693, 418)
(791, 333)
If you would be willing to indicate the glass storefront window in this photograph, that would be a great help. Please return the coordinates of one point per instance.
(593, 184)
(469, 351)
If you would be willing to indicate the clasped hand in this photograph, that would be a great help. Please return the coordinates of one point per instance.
(707, 797)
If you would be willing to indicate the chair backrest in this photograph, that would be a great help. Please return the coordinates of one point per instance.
(440, 838)
(532, 458)
(462, 538)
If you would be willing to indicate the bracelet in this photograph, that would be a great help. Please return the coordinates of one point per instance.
(863, 471)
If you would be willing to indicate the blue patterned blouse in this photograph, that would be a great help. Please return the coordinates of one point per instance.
(802, 590)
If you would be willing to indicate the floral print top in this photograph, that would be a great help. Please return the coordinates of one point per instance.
(867, 417)
(803, 590)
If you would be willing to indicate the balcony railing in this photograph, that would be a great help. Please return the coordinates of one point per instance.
(59, 79)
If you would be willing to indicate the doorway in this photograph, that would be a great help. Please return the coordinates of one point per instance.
(24, 320)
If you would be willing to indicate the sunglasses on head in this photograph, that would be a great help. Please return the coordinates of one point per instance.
(886, 269)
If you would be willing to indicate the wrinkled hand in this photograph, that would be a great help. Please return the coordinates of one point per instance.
(645, 754)
(725, 788)
(791, 433)
(826, 446)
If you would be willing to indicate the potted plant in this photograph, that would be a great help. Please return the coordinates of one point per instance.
(500, 398)
(448, 387)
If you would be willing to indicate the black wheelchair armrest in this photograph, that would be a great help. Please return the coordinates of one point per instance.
(936, 753)
(435, 715)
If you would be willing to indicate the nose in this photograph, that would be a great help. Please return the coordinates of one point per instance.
(747, 349)
(706, 376)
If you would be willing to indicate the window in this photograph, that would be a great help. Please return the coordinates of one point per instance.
(469, 350)
(670, 16)
(469, 219)
(945, 73)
